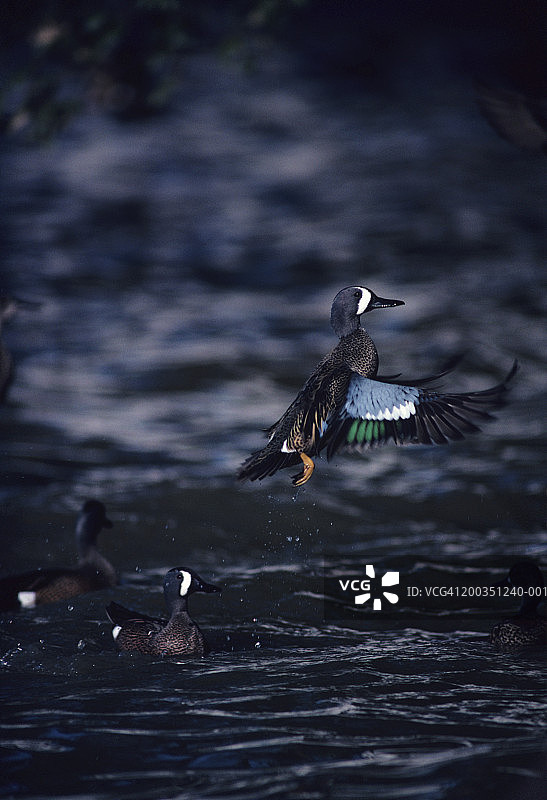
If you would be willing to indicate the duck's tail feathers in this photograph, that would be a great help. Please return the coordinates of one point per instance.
(264, 463)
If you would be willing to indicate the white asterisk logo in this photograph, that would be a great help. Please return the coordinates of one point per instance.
(388, 579)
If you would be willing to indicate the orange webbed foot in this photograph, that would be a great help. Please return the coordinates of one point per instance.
(307, 469)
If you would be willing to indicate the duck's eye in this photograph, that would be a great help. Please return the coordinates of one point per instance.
(357, 294)
(180, 576)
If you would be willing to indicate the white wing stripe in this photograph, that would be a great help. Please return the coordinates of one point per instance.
(404, 411)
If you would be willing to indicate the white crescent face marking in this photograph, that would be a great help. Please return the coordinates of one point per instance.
(116, 631)
(366, 297)
(27, 599)
(185, 583)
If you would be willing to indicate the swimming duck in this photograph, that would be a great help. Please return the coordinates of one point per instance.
(343, 405)
(177, 636)
(527, 627)
(50, 585)
(8, 309)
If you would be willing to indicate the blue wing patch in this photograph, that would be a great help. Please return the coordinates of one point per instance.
(374, 400)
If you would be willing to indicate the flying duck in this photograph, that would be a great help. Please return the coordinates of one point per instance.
(50, 585)
(344, 405)
(177, 636)
(527, 627)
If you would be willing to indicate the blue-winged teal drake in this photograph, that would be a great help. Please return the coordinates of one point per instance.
(343, 405)
(177, 636)
(527, 627)
(92, 572)
(8, 309)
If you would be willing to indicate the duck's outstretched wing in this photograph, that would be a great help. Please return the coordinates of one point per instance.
(376, 412)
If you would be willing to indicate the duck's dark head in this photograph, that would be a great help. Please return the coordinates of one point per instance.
(524, 574)
(180, 582)
(527, 576)
(350, 303)
(91, 520)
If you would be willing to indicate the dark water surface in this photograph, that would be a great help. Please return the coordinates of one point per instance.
(186, 270)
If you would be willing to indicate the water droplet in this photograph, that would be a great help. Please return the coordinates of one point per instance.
(70, 608)
(257, 644)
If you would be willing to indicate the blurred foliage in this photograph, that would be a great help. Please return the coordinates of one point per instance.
(122, 55)
(127, 56)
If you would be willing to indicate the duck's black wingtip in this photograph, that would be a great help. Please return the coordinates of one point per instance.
(506, 384)
(446, 367)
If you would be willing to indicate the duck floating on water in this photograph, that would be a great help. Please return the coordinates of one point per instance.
(50, 585)
(527, 628)
(177, 636)
(345, 406)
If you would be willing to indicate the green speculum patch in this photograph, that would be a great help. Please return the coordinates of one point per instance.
(365, 430)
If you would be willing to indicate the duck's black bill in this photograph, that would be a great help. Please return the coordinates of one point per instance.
(382, 302)
(208, 587)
